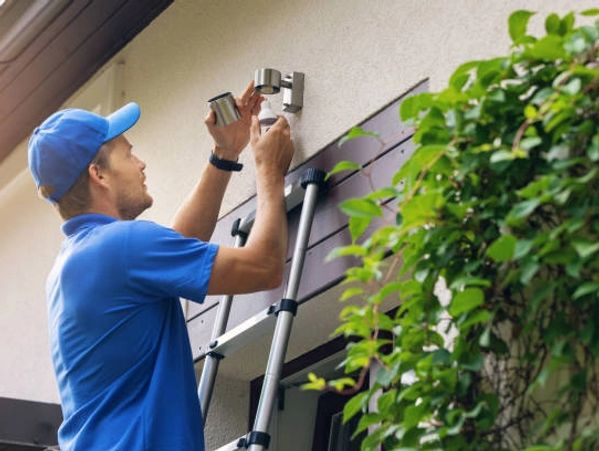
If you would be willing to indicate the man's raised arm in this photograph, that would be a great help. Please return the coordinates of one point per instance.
(197, 216)
(259, 264)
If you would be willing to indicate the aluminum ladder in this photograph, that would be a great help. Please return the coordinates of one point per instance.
(281, 314)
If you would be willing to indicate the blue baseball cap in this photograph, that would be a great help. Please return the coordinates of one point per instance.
(62, 147)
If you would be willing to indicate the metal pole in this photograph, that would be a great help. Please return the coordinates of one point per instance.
(285, 319)
(206, 385)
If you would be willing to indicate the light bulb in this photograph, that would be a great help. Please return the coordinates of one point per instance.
(266, 117)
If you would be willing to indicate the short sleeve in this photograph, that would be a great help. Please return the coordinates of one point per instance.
(163, 263)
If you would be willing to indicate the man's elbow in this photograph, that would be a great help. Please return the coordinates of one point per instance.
(273, 275)
(275, 278)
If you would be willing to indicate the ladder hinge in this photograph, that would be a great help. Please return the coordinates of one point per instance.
(313, 176)
(236, 230)
(215, 355)
(254, 438)
(284, 305)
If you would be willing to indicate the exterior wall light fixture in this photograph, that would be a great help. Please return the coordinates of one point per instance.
(269, 81)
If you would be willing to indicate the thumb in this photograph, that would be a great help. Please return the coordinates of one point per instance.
(254, 129)
(210, 118)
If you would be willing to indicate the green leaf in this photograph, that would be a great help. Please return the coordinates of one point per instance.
(469, 281)
(422, 157)
(502, 249)
(529, 143)
(441, 357)
(354, 405)
(414, 415)
(473, 362)
(518, 23)
(573, 87)
(386, 401)
(585, 248)
(590, 12)
(462, 74)
(552, 24)
(340, 384)
(478, 317)
(315, 383)
(522, 210)
(567, 23)
(530, 112)
(357, 132)
(528, 271)
(357, 227)
(351, 292)
(344, 166)
(383, 193)
(522, 249)
(586, 288)
(536, 187)
(485, 338)
(361, 208)
(411, 106)
(593, 149)
(421, 209)
(343, 251)
(549, 48)
(502, 155)
(465, 301)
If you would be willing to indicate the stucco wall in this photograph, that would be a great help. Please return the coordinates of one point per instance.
(357, 56)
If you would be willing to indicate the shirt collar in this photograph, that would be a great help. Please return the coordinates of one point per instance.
(84, 221)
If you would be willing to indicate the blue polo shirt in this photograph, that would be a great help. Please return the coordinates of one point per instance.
(118, 338)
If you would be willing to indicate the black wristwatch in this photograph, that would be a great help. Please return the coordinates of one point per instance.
(225, 165)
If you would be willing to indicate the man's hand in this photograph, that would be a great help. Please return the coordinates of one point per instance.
(273, 150)
(232, 139)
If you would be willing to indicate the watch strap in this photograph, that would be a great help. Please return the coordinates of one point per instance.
(225, 165)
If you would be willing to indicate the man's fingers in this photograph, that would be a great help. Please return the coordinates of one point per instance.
(256, 107)
(245, 97)
(281, 122)
(254, 128)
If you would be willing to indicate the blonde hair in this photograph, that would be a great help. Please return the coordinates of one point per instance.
(77, 199)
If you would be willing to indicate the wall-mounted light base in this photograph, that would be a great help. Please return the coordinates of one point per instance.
(293, 92)
(268, 81)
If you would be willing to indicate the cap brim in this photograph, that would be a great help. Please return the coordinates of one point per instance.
(122, 120)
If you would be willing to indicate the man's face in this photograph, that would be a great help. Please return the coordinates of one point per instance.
(126, 176)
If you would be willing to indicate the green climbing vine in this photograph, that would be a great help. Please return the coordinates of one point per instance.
(490, 249)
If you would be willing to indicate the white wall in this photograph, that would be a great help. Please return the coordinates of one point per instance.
(357, 56)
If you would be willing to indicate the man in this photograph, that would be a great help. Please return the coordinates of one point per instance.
(118, 337)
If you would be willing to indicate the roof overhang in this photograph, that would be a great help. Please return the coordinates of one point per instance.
(50, 48)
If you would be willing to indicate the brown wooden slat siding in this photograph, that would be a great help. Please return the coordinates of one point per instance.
(330, 225)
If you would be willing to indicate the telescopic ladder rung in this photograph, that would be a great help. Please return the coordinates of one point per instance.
(246, 332)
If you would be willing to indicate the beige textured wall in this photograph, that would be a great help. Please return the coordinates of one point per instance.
(357, 56)
(26, 229)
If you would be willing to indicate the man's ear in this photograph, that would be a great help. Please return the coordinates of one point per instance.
(96, 174)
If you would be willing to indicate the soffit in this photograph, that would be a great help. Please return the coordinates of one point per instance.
(50, 48)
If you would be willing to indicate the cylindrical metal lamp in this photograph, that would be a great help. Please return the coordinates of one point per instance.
(225, 109)
(267, 81)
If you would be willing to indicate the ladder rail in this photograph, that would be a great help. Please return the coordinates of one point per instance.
(211, 363)
(284, 322)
